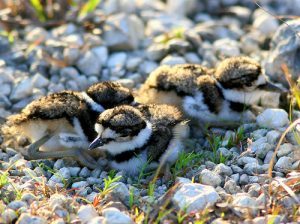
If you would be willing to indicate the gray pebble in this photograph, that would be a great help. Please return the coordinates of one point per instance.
(85, 172)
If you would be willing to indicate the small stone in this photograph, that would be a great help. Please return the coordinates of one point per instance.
(273, 118)
(80, 184)
(120, 191)
(263, 149)
(73, 39)
(26, 218)
(210, 178)
(58, 164)
(22, 90)
(273, 137)
(244, 179)
(89, 64)
(93, 180)
(102, 53)
(235, 177)
(9, 216)
(39, 81)
(28, 197)
(254, 190)
(57, 200)
(284, 164)
(223, 170)
(86, 213)
(69, 72)
(226, 47)
(114, 216)
(246, 159)
(182, 180)
(230, 187)
(243, 204)
(15, 205)
(236, 169)
(74, 171)
(172, 60)
(85, 172)
(195, 197)
(269, 157)
(253, 168)
(192, 58)
(147, 67)
(285, 149)
(96, 173)
(266, 24)
(156, 52)
(64, 173)
(128, 31)
(210, 165)
(259, 134)
(117, 60)
(71, 55)
(133, 63)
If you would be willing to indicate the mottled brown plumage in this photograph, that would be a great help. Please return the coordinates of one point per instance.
(238, 72)
(164, 83)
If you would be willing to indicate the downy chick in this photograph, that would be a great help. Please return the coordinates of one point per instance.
(62, 124)
(236, 85)
(132, 136)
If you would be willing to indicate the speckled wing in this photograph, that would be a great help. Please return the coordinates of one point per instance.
(64, 104)
(159, 142)
(162, 115)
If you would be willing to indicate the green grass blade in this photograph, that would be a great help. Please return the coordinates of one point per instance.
(88, 7)
(36, 4)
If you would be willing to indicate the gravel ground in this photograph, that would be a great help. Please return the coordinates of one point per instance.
(223, 179)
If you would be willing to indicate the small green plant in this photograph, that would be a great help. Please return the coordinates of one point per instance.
(112, 173)
(108, 187)
(65, 182)
(186, 160)
(215, 143)
(88, 7)
(182, 215)
(236, 139)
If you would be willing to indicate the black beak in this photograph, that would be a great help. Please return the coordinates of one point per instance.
(96, 143)
(268, 86)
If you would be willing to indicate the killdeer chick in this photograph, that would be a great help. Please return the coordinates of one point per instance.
(168, 84)
(62, 124)
(132, 136)
(237, 83)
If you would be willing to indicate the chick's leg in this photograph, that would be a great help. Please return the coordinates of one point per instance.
(79, 154)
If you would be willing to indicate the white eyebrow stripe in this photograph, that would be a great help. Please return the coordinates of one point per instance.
(95, 106)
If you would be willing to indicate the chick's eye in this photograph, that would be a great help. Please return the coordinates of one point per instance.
(126, 132)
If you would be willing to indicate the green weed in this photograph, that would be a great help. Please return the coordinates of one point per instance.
(38, 7)
(186, 160)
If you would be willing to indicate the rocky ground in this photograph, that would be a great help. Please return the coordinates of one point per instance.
(222, 178)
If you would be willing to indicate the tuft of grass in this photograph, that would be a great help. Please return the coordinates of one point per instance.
(237, 138)
(89, 7)
(38, 7)
(185, 161)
